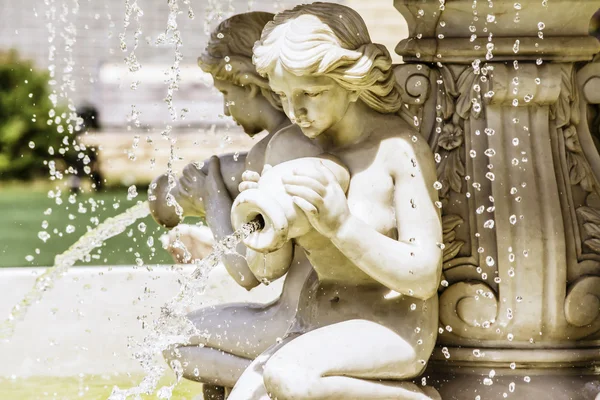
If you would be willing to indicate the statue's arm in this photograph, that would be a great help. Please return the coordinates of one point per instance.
(188, 190)
(232, 166)
(217, 202)
(410, 265)
(268, 267)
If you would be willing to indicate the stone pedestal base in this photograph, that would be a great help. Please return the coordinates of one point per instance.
(531, 384)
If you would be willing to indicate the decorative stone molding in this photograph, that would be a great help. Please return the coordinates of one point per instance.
(458, 31)
(515, 127)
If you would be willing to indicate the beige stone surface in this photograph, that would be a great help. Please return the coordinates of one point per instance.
(121, 162)
(84, 324)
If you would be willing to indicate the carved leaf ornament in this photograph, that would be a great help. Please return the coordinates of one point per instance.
(451, 245)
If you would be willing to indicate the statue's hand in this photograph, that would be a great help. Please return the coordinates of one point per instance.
(193, 181)
(321, 197)
(249, 180)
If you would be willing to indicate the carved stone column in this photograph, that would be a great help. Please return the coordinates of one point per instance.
(507, 97)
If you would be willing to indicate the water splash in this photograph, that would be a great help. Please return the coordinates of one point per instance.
(62, 262)
(172, 327)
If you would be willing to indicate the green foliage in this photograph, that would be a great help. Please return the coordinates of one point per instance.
(25, 111)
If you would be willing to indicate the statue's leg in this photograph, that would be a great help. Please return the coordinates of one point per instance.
(354, 359)
(232, 336)
(250, 385)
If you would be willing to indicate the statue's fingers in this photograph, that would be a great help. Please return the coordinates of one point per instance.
(305, 193)
(304, 205)
(314, 173)
(247, 185)
(309, 182)
(251, 176)
(327, 173)
(192, 170)
(214, 166)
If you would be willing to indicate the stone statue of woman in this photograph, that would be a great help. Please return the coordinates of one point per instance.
(234, 334)
(367, 323)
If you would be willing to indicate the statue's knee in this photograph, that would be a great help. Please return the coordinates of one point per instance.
(171, 353)
(414, 368)
(285, 381)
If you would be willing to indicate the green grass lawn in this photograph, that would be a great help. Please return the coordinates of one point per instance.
(88, 387)
(26, 208)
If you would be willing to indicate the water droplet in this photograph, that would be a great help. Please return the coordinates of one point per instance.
(44, 236)
(437, 185)
(489, 224)
(490, 152)
(491, 18)
(513, 219)
(541, 26)
(515, 141)
(527, 379)
(131, 192)
(489, 260)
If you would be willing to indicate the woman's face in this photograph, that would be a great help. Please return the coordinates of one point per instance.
(314, 103)
(241, 105)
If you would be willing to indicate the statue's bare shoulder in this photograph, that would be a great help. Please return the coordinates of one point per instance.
(290, 143)
(403, 146)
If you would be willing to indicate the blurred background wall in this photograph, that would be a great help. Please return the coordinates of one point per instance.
(100, 76)
(129, 106)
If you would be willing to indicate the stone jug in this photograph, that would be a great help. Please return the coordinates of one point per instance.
(281, 219)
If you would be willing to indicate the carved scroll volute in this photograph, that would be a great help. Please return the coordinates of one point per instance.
(469, 309)
(582, 305)
(418, 107)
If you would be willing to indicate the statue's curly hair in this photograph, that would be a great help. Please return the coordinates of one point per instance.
(228, 54)
(331, 40)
